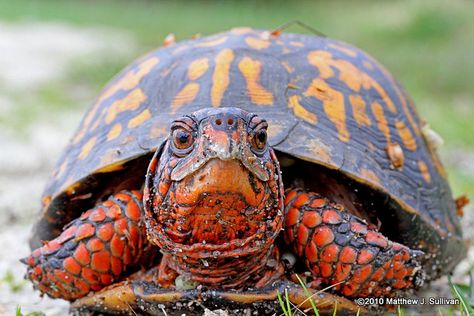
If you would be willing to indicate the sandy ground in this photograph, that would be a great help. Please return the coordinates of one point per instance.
(31, 56)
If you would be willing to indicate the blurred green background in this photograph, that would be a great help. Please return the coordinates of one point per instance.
(428, 45)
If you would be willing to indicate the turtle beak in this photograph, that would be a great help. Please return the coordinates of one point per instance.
(223, 137)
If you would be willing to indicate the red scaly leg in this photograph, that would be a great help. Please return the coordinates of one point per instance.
(93, 250)
(339, 247)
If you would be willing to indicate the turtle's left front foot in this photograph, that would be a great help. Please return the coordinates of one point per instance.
(342, 250)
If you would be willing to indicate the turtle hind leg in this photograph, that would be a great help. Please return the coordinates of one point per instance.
(93, 250)
(340, 249)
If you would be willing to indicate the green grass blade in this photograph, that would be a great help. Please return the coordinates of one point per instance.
(334, 313)
(282, 304)
(288, 303)
(464, 306)
(400, 311)
(305, 289)
(471, 287)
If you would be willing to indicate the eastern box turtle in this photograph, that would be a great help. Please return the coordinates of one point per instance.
(172, 189)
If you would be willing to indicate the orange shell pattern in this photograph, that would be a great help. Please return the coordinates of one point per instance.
(325, 101)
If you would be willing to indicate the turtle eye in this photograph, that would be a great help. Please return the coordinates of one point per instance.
(260, 139)
(182, 138)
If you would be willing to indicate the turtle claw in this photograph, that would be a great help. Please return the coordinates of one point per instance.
(151, 299)
(115, 299)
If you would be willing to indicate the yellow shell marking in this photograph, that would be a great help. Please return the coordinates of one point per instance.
(297, 44)
(109, 165)
(257, 43)
(300, 111)
(241, 30)
(128, 139)
(359, 110)
(345, 50)
(80, 134)
(131, 79)
(406, 135)
(320, 59)
(179, 49)
(396, 155)
(382, 123)
(424, 170)
(371, 146)
(333, 105)
(220, 77)
(367, 65)
(198, 68)
(370, 82)
(250, 69)
(130, 102)
(61, 169)
(287, 66)
(185, 96)
(439, 166)
(321, 151)
(97, 121)
(114, 131)
(408, 114)
(87, 148)
(46, 200)
(139, 119)
(214, 42)
(354, 78)
(403, 98)
(369, 175)
(349, 74)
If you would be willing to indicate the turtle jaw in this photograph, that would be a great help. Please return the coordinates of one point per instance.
(208, 208)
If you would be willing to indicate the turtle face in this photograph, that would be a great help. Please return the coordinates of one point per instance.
(216, 186)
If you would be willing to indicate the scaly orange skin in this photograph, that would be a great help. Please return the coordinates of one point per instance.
(342, 250)
(215, 209)
(93, 251)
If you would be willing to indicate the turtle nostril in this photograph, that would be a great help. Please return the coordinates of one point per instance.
(230, 121)
(218, 121)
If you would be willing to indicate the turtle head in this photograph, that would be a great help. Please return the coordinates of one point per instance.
(215, 186)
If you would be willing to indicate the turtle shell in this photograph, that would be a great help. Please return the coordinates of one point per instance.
(326, 102)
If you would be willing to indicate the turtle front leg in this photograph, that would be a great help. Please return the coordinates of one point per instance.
(93, 250)
(340, 248)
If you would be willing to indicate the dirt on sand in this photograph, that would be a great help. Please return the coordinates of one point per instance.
(31, 56)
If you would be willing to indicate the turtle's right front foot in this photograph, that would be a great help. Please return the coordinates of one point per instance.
(92, 251)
